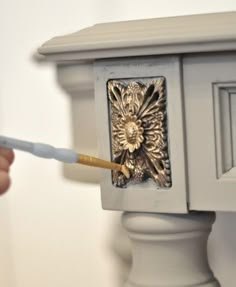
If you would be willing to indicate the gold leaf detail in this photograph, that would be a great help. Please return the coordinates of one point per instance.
(139, 130)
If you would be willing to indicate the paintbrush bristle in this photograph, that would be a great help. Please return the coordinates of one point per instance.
(125, 171)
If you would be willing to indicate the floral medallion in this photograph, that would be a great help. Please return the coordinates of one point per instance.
(138, 121)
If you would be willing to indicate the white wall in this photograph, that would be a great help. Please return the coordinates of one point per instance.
(53, 231)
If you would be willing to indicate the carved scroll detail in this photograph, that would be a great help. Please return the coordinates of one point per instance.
(139, 130)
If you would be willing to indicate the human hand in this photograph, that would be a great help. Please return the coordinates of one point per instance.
(6, 159)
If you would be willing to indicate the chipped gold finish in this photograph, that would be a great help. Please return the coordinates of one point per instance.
(139, 130)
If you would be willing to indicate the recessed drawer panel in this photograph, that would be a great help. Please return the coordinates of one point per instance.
(210, 104)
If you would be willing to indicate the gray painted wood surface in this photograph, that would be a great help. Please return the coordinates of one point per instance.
(169, 250)
(204, 104)
(209, 82)
(184, 34)
(144, 197)
(202, 130)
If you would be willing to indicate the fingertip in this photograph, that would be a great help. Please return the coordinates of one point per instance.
(8, 154)
(4, 164)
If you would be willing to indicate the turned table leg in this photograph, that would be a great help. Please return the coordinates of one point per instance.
(169, 250)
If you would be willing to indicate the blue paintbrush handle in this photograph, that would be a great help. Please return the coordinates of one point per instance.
(40, 149)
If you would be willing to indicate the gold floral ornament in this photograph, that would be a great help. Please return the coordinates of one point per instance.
(139, 130)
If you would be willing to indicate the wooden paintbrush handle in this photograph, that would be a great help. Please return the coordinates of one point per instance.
(93, 161)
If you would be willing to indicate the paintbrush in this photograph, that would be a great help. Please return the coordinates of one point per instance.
(60, 154)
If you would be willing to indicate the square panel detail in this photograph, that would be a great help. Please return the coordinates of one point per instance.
(140, 112)
(138, 127)
(224, 95)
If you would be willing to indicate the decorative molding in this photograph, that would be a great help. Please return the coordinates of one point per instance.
(224, 98)
(171, 35)
(76, 78)
(145, 196)
(139, 138)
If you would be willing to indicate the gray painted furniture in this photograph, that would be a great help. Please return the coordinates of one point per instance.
(165, 106)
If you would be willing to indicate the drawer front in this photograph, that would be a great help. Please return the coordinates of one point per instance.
(210, 104)
(140, 124)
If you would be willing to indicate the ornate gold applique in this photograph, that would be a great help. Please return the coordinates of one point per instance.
(139, 130)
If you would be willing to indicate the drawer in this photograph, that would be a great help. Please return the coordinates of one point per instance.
(210, 112)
